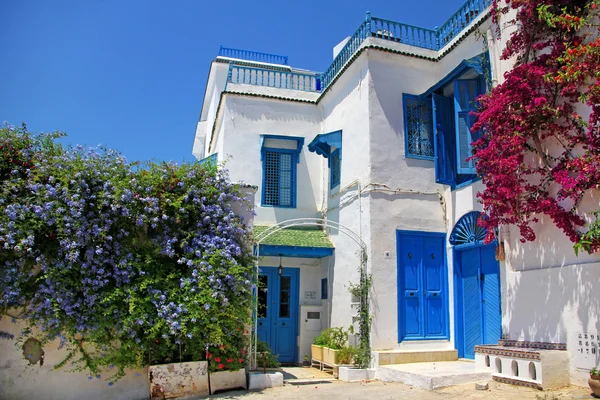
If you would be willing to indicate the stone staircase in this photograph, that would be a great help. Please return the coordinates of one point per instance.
(539, 365)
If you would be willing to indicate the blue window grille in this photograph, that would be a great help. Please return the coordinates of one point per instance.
(335, 168)
(279, 177)
(324, 287)
(418, 129)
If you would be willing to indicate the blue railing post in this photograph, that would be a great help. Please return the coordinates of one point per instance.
(368, 24)
(437, 38)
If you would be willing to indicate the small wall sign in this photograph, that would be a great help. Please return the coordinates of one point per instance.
(310, 295)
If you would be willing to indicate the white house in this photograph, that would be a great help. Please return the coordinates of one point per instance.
(378, 144)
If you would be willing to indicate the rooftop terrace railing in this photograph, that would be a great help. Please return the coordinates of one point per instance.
(306, 82)
(431, 39)
(253, 56)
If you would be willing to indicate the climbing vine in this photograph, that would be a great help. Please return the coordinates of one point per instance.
(539, 151)
(361, 290)
(125, 264)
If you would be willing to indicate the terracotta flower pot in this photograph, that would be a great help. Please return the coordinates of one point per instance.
(594, 383)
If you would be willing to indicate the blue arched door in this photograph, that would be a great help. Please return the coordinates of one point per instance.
(478, 313)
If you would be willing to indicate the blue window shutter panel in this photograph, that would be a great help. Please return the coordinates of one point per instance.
(335, 167)
(418, 127)
(443, 117)
(465, 96)
(324, 286)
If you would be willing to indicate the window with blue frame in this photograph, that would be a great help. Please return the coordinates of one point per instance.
(324, 287)
(335, 168)
(279, 178)
(418, 128)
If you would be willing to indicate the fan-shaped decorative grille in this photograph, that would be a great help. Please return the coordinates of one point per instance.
(467, 230)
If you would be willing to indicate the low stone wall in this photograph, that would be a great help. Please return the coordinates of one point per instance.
(21, 380)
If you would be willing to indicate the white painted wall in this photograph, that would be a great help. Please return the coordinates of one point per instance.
(19, 380)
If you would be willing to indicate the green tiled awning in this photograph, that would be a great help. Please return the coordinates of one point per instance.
(295, 242)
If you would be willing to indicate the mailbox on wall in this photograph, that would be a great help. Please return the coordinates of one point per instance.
(312, 319)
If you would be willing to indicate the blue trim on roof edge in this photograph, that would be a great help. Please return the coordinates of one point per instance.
(294, 251)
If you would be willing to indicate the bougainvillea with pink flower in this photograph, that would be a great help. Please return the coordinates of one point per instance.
(539, 152)
(126, 264)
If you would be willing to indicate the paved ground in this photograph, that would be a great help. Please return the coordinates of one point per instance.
(383, 391)
(310, 383)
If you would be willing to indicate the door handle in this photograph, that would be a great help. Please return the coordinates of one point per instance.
(260, 323)
(412, 293)
(283, 324)
(434, 294)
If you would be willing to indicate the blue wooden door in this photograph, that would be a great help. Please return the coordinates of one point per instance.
(278, 311)
(479, 298)
(422, 293)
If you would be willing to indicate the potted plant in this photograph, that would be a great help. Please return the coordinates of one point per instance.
(226, 366)
(316, 349)
(338, 337)
(594, 381)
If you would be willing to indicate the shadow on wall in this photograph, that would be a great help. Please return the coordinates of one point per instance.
(553, 304)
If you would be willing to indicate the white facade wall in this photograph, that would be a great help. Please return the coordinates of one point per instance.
(547, 293)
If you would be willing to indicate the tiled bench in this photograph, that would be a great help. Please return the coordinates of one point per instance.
(537, 365)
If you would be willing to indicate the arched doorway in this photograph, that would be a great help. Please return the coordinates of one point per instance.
(478, 317)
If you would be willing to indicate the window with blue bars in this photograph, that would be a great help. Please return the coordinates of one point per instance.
(335, 168)
(279, 178)
(324, 287)
(418, 127)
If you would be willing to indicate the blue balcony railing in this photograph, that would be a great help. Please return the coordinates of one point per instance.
(281, 79)
(431, 39)
(460, 20)
(253, 56)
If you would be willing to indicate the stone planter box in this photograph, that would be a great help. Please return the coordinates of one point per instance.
(316, 352)
(260, 380)
(330, 356)
(352, 374)
(178, 380)
(225, 380)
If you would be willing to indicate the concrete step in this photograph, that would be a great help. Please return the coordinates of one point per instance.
(433, 375)
(393, 357)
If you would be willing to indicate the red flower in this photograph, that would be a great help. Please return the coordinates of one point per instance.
(209, 355)
(229, 359)
(241, 360)
(243, 351)
(221, 366)
(217, 359)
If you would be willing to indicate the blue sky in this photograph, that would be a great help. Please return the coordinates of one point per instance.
(130, 74)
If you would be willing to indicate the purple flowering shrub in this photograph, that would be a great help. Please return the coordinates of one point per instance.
(126, 264)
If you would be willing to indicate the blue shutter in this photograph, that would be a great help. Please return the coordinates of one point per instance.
(465, 95)
(324, 293)
(335, 168)
(445, 155)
